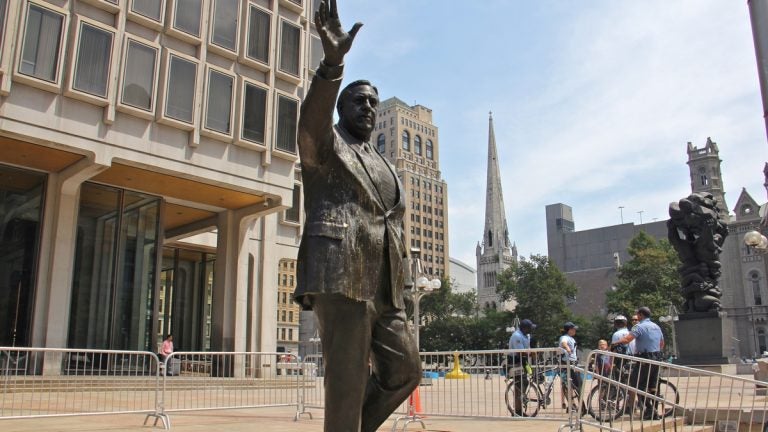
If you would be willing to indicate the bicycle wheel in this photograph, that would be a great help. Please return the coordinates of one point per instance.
(573, 398)
(606, 405)
(531, 399)
(667, 392)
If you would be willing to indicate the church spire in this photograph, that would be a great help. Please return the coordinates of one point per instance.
(495, 234)
(495, 253)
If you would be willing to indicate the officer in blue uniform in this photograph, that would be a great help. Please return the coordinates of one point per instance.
(649, 341)
(520, 340)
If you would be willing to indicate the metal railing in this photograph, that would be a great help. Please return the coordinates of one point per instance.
(45, 382)
(637, 393)
(470, 384)
(217, 380)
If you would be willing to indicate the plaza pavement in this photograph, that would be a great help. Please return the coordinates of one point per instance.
(256, 420)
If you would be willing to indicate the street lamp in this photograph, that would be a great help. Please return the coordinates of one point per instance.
(757, 241)
(421, 287)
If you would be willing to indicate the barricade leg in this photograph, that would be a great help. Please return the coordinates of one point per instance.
(159, 417)
(301, 408)
(412, 417)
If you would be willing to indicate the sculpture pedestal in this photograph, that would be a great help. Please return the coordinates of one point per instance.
(703, 341)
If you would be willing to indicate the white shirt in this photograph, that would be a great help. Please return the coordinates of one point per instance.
(571, 343)
(620, 333)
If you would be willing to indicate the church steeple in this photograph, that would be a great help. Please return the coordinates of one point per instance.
(495, 234)
(495, 252)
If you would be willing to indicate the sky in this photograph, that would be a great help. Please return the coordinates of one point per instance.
(593, 102)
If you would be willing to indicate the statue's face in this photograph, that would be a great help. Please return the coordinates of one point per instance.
(358, 111)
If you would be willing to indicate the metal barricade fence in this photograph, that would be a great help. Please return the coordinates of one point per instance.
(46, 382)
(312, 390)
(472, 384)
(218, 380)
(475, 384)
(637, 393)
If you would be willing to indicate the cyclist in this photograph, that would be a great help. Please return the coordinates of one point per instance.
(620, 325)
(568, 343)
(518, 362)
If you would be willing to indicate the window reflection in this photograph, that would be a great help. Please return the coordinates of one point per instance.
(21, 197)
(113, 281)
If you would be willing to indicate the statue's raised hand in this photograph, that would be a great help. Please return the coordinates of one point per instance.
(336, 41)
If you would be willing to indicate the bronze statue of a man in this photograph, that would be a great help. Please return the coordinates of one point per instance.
(352, 255)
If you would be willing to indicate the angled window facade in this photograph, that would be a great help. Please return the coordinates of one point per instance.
(42, 43)
(93, 60)
(139, 75)
(259, 28)
(180, 98)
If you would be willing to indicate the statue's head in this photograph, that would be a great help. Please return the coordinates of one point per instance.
(357, 108)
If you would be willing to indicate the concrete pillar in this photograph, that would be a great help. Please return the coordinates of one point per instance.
(230, 284)
(58, 242)
(266, 320)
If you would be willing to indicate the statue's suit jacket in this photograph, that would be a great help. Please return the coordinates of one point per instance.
(348, 231)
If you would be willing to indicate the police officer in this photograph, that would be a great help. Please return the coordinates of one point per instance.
(520, 340)
(649, 341)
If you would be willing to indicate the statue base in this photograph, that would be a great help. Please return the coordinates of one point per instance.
(704, 340)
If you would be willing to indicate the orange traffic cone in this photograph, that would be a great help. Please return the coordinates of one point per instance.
(414, 401)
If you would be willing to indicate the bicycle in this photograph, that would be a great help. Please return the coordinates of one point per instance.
(608, 401)
(538, 390)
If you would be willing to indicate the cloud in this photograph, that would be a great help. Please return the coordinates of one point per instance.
(629, 86)
(593, 105)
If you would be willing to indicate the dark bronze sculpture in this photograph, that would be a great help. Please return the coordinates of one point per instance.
(697, 232)
(352, 257)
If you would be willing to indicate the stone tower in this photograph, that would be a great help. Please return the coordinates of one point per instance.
(704, 167)
(495, 253)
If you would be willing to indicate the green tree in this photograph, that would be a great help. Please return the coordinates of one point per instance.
(591, 330)
(443, 303)
(465, 333)
(541, 290)
(650, 279)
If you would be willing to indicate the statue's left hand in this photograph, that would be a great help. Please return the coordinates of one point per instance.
(336, 42)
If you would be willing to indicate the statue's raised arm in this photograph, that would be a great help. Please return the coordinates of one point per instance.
(316, 120)
(336, 42)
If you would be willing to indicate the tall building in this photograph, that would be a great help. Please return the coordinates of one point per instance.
(147, 170)
(495, 253)
(591, 258)
(406, 136)
(287, 309)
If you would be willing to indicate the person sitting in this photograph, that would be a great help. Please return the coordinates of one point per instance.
(166, 349)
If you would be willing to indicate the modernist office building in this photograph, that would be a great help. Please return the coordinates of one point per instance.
(147, 162)
(406, 136)
(590, 258)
